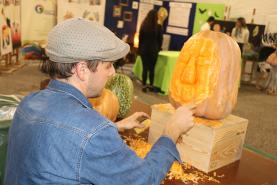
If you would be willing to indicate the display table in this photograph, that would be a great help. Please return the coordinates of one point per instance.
(252, 169)
(163, 69)
(4, 129)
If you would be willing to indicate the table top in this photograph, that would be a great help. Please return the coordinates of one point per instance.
(169, 53)
(251, 169)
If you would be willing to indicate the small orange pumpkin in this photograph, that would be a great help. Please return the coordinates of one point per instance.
(107, 104)
(207, 72)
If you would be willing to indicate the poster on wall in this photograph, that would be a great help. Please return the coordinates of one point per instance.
(5, 24)
(144, 8)
(116, 11)
(11, 12)
(204, 11)
(16, 27)
(8, 2)
(38, 18)
(179, 14)
(89, 9)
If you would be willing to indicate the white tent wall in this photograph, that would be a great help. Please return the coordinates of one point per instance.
(266, 11)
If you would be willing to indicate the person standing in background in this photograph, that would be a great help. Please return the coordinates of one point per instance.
(150, 42)
(217, 28)
(162, 15)
(208, 25)
(240, 33)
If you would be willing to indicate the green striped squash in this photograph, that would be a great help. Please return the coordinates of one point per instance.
(122, 86)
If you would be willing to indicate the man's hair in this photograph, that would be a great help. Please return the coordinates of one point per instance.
(211, 19)
(63, 70)
(150, 23)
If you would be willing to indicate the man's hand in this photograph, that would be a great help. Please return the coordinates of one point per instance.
(180, 123)
(131, 121)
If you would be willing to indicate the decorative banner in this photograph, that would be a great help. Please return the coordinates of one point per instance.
(204, 11)
(38, 18)
(89, 9)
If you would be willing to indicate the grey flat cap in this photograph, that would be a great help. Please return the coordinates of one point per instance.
(79, 39)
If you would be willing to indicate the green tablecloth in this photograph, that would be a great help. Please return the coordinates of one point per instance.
(163, 69)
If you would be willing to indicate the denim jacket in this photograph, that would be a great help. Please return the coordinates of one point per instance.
(57, 138)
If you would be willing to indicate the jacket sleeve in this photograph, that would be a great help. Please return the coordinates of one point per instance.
(108, 160)
(160, 36)
(141, 37)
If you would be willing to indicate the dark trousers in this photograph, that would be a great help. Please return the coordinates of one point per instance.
(148, 62)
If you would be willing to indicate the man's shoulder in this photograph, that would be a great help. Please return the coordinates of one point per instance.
(63, 111)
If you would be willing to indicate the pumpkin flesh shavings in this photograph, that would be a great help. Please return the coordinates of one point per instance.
(197, 120)
(183, 172)
(146, 123)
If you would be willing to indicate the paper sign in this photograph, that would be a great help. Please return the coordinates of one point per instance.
(135, 5)
(179, 14)
(120, 24)
(177, 31)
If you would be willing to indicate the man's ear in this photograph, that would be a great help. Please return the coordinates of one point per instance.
(81, 70)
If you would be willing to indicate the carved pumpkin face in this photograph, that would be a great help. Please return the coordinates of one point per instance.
(207, 73)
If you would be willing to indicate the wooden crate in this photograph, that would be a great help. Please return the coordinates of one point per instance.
(209, 145)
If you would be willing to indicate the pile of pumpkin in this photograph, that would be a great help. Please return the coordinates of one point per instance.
(116, 98)
(207, 74)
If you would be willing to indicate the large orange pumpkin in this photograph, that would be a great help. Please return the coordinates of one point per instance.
(107, 104)
(207, 73)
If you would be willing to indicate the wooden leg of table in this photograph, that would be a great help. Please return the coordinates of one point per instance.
(17, 57)
(10, 58)
(6, 60)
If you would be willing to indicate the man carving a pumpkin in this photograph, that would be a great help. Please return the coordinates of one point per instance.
(57, 137)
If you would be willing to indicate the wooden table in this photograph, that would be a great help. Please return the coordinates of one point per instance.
(252, 169)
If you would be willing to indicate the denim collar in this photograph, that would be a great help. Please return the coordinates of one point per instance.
(57, 85)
